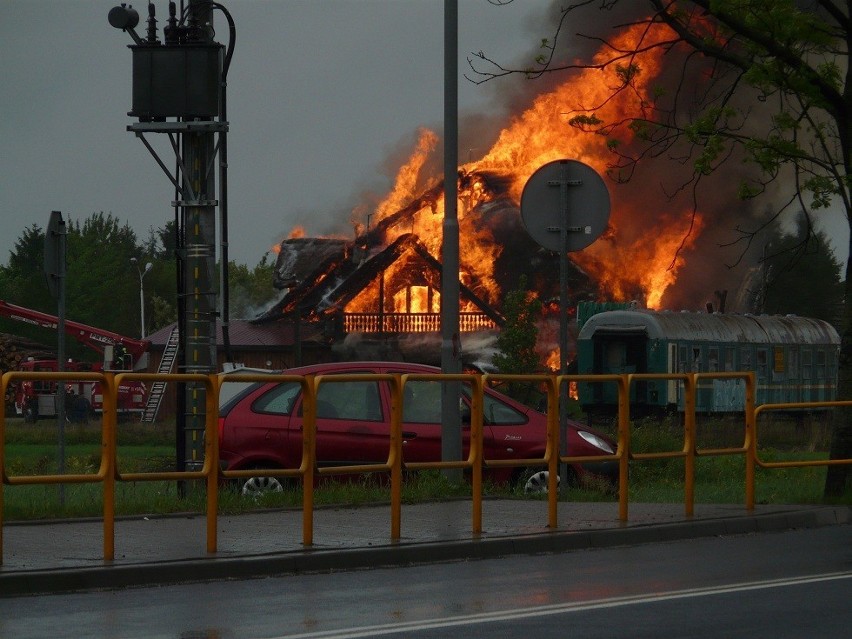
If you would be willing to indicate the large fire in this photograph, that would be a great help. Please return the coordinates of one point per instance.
(637, 257)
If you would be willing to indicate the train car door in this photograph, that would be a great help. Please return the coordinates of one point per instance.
(672, 386)
(616, 353)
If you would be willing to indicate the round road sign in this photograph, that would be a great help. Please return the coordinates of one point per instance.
(565, 194)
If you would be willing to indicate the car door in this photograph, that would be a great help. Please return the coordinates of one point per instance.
(421, 421)
(352, 423)
(256, 426)
(508, 433)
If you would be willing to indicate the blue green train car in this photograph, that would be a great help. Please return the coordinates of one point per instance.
(794, 358)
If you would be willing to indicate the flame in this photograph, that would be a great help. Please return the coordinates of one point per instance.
(633, 260)
(643, 264)
(408, 178)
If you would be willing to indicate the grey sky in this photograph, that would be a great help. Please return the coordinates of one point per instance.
(325, 98)
(320, 94)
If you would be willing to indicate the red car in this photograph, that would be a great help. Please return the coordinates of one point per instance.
(260, 426)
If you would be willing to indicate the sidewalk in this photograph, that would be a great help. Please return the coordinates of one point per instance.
(67, 556)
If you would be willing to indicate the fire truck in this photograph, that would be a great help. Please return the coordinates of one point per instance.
(37, 398)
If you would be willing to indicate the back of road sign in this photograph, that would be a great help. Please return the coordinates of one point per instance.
(565, 193)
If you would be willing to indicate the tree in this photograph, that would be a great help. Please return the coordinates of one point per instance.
(102, 287)
(801, 276)
(517, 340)
(765, 83)
(23, 282)
(24, 277)
(250, 290)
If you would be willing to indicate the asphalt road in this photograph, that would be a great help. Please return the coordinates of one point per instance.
(780, 584)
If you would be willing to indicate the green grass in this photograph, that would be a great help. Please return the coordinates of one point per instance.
(721, 479)
(32, 450)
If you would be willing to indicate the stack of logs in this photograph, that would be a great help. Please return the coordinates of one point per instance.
(13, 351)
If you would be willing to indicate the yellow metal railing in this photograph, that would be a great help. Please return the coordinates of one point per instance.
(308, 463)
(474, 458)
(801, 463)
(109, 473)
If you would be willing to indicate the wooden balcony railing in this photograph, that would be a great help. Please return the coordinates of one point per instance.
(411, 322)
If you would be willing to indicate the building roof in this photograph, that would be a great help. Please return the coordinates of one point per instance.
(245, 335)
(339, 278)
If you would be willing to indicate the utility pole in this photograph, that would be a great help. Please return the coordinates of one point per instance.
(179, 91)
(451, 439)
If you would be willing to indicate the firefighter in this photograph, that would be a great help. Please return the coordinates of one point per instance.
(31, 409)
(80, 410)
(119, 353)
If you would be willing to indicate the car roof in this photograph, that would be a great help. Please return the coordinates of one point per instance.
(232, 393)
(336, 367)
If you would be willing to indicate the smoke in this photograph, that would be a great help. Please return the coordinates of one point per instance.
(664, 184)
(478, 349)
(243, 305)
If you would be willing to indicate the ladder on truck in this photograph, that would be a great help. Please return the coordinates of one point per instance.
(158, 388)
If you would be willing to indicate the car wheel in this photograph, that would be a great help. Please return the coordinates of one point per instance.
(535, 482)
(258, 486)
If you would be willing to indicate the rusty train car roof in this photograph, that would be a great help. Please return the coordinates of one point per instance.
(712, 327)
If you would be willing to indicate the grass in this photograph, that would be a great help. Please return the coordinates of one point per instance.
(32, 450)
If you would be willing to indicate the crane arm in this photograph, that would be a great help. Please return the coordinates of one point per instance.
(95, 338)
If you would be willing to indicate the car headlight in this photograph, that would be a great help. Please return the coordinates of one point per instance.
(597, 442)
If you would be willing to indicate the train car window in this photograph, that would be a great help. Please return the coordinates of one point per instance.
(820, 364)
(807, 360)
(779, 361)
(762, 368)
(696, 359)
(616, 357)
(681, 360)
(832, 364)
(745, 359)
(713, 359)
(729, 359)
(793, 364)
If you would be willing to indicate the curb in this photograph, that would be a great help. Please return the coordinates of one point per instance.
(110, 576)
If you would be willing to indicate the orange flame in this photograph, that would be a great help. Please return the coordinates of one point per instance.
(635, 259)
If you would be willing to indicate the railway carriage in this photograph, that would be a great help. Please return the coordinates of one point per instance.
(794, 358)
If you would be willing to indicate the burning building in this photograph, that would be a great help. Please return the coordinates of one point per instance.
(380, 284)
(383, 300)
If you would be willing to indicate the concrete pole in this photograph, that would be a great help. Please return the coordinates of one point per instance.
(451, 439)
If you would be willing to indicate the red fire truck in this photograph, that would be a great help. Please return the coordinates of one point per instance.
(37, 398)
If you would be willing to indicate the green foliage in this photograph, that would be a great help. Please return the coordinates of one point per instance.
(100, 275)
(103, 285)
(163, 312)
(585, 121)
(627, 73)
(517, 339)
(24, 278)
(802, 275)
(250, 289)
(767, 86)
(759, 82)
(31, 449)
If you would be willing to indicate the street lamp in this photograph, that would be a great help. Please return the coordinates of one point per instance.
(142, 274)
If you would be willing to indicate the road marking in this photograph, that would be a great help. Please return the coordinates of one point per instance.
(555, 609)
